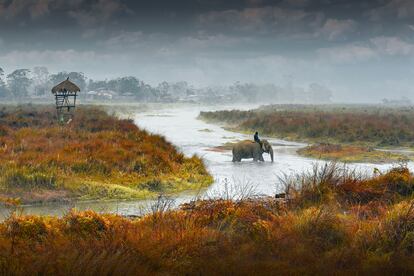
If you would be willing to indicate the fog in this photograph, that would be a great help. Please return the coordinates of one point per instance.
(361, 51)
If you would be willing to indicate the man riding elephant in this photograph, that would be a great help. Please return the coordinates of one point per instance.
(256, 137)
(249, 149)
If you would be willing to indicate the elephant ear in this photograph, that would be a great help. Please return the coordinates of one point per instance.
(264, 146)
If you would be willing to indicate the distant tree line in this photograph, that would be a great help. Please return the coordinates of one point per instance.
(23, 84)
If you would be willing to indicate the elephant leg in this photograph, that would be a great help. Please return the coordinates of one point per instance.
(261, 158)
(236, 159)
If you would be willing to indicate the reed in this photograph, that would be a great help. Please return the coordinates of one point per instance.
(332, 221)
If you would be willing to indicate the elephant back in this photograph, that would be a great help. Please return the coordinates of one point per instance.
(245, 146)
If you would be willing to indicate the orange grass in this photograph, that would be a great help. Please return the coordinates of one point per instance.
(355, 226)
(95, 156)
(361, 124)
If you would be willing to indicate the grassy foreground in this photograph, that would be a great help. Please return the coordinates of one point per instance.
(96, 156)
(364, 126)
(332, 221)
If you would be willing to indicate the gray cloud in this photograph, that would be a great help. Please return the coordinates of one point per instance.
(335, 29)
(263, 20)
(356, 47)
(98, 12)
(400, 9)
(83, 11)
(376, 48)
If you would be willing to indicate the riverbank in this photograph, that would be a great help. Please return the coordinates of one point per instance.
(351, 153)
(96, 156)
(328, 220)
(355, 131)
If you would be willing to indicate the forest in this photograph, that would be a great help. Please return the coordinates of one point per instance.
(22, 85)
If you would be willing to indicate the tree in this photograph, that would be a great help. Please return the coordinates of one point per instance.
(76, 77)
(40, 77)
(96, 85)
(128, 85)
(19, 82)
(247, 90)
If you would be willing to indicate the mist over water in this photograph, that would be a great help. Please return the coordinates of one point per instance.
(192, 136)
(180, 126)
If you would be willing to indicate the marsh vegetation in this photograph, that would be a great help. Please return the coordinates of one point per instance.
(96, 156)
(331, 219)
(367, 127)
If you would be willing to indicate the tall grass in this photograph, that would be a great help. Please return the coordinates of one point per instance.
(382, 127)
(95, 148)
(317, 229)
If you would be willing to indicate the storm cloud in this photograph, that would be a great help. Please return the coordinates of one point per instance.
(363, 50)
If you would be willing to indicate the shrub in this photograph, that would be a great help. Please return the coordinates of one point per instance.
(154, 185)
(87, 223)
(397, 230)
(26, 228)
(320, 227)
(330, 182)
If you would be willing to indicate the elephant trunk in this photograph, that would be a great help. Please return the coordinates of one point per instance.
(271, 154)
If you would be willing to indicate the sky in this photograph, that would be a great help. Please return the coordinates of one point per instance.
(363, 50)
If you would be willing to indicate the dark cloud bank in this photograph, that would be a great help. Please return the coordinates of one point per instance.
(362, 50)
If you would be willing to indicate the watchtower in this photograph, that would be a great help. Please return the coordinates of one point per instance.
(65, 95)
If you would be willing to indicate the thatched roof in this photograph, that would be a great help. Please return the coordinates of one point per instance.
(65, 85)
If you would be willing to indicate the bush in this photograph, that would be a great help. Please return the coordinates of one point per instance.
(153, 185)
(26, 228)
(86, 223)
(397, 230)
(321, 228)
(330, 182)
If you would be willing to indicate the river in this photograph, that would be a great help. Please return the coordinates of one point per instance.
(192, 136)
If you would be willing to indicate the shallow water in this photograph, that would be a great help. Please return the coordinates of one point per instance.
(192, 136)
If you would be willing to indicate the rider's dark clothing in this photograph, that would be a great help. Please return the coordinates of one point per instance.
(256, 137)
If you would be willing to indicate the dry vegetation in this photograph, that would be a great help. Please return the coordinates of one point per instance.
(95, 156)
(371, 125)
(332, 221)
(359, 128)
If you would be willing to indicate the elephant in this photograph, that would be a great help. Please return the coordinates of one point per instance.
(249, 149)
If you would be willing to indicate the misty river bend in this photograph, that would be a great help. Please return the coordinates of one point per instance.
(192, 136)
